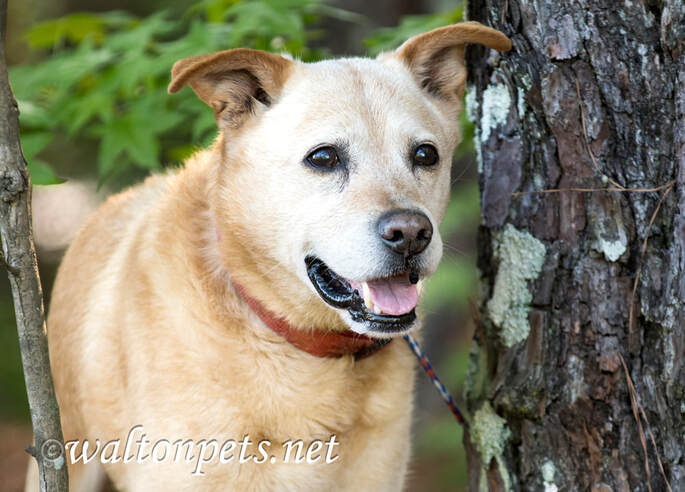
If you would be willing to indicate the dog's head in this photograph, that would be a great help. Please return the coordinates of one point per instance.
(332, 177)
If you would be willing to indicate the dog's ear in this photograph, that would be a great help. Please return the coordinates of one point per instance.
(436, 58)
(233, 82)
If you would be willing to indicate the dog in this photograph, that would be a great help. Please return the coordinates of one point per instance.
(249, 300)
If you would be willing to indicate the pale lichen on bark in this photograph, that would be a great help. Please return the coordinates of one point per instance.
(548, 471)
(495, 104)
(489, 433)
(520, 258)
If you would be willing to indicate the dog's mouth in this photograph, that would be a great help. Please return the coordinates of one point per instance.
(386, 305)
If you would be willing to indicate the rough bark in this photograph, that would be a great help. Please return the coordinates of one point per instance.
(548, 396)
(19, 258)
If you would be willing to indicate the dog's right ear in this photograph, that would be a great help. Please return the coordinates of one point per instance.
(436, 58)
(233, 82)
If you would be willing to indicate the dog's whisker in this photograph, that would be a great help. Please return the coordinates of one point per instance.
(455, 249)
(464, 170)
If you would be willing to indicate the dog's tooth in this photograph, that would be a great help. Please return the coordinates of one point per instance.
(377, 310)
(419, 287)
(366, 294)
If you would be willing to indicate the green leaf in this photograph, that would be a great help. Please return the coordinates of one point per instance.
(117, 19)
(204, 125)
(155, 103)
(143, 148)
(74, 28)
(76, 112)
(112, 145)
(33, 115)
(54, 77)
(201, 38)
(267, 19)
(33, 142)
(215, 10)
(124, 136)
(31, 145)
(391, 37)
(141, 34)
(136, 134)
(41, 173)
(182, 152)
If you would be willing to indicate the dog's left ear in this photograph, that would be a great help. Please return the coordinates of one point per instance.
(436, 58)
(233, 82)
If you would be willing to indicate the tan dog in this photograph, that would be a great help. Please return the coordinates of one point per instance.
(320, 202)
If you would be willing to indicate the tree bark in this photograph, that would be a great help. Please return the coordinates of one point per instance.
(592, 96)
(19, 258)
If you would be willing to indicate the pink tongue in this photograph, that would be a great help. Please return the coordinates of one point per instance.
(394, 296)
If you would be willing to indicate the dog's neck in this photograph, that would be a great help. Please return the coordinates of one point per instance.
(315, 342)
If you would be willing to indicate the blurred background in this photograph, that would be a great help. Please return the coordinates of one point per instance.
(90, 79)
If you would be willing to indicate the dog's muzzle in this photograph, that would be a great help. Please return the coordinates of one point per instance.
(340, 293)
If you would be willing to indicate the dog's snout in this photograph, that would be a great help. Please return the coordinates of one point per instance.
(407, 232)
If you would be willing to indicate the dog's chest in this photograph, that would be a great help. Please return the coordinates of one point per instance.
(313, 398)
(364, 406)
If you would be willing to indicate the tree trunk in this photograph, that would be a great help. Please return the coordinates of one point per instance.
(592, 96)
(19, 258)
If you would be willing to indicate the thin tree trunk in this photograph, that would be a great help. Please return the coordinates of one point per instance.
(19, 257)
(592, 96)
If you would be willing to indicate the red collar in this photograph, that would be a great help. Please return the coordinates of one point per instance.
(317, 343)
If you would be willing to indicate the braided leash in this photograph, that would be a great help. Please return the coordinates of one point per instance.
(423, 360)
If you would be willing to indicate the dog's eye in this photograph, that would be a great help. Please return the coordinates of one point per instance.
(425, 155)
(323, 158)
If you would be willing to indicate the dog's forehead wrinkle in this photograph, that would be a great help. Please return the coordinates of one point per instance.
(381, 91)
(375, 97)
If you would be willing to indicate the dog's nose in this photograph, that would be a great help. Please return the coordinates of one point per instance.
(406, 232)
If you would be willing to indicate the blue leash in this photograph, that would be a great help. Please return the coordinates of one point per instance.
(423, 360)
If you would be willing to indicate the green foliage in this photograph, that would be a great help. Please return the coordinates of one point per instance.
(40, 171)
(391, 37)
(106, 76)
